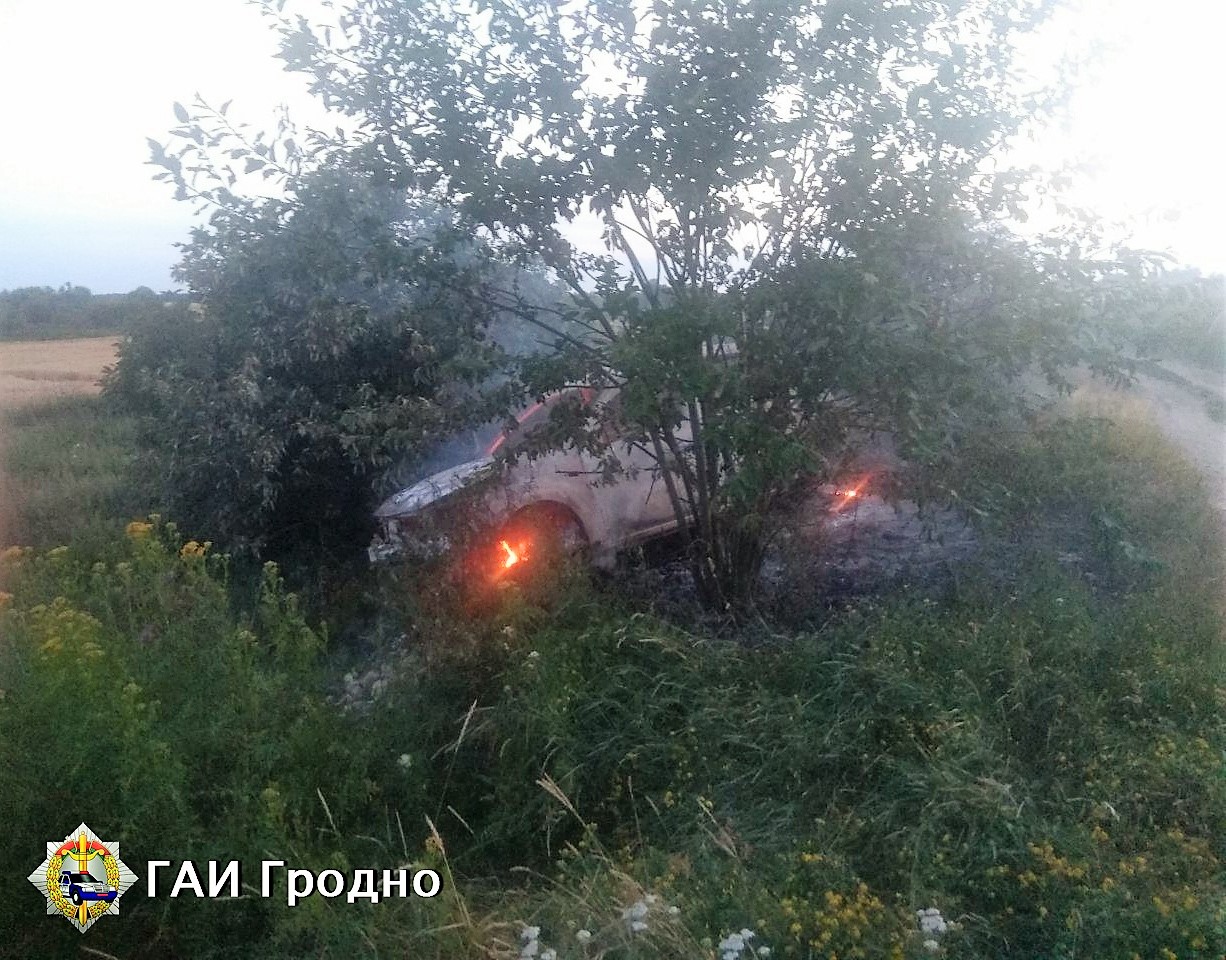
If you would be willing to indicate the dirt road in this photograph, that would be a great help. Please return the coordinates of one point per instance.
(35, 371)
(1179, 398)
(1184, 416)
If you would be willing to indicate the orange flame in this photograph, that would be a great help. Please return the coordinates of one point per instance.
(512, 556)
(846, 495)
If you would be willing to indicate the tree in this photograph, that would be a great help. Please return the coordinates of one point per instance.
(757, 170)
(337, 339)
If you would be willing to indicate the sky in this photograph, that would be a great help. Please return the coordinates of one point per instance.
(83, 84)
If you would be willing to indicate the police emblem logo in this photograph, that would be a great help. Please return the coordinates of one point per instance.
(82, 877)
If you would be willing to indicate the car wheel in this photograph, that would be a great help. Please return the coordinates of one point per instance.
(539, 534)
(555, 528)
(76, 897)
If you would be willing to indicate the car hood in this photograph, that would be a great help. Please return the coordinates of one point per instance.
(434, 488)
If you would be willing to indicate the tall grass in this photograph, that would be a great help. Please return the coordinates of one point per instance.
(1033, 767)
(71, 473)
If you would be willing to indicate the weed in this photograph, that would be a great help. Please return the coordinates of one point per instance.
(71, 475)
(1031, 769)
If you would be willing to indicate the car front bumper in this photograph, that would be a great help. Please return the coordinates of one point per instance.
(389, 546)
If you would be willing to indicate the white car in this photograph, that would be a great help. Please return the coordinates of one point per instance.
(520, 503)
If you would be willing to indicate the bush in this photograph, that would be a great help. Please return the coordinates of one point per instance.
(334, 345)
(135, 698)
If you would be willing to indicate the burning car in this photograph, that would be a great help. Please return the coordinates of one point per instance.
(522, 504)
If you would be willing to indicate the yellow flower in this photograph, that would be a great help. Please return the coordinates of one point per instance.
(1099, 834)
(192, 548)
(13, 554)
(138, 530)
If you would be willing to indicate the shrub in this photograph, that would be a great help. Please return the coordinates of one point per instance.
(136, 698)
(337, 341)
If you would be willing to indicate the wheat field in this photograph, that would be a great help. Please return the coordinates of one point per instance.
(35, 370)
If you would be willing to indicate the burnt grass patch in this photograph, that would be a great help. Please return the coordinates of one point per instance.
(834, 557)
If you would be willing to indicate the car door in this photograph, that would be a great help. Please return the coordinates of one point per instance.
(560, 475)
(639, 494)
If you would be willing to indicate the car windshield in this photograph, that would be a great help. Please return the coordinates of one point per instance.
(464, 446)
(473, 444)
(83, 878)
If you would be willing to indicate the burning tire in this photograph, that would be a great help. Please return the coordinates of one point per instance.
(538, 537)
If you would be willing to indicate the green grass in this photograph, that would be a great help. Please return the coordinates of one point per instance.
(71, 332)
(1041, 756)
(72, 473)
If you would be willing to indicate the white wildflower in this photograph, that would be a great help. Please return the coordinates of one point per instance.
(731, 946)
(747, 934)
(404, 761)
(674, 911)
(931, 921)
(531, 946)
(550, 954)
(764, 952)
(637, 926)
(931, 946)
(583, 936)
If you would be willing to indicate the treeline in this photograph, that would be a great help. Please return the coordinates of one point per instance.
(1182, 316)
(44, 313)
